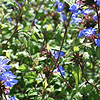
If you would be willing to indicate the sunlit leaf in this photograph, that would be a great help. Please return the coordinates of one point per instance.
(49, 27)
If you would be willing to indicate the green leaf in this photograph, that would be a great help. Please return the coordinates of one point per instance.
(7, 54)
(23, 68)
(34, 38)
(91, 65)
(98, 52)
(31, 75)
(2, 26)
(76, 48)
(45, 20)
(45, 84)
(48, 47)
(77, 74)
(49, 27)
(39, 80)
(51, 99)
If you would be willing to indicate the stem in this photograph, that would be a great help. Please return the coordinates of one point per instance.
(94, 85)
(37, 13)
(42, 94)
(35, 64)
(96, 8)
(66, 28)
(60, 72)
(16, 27)
(5, 96)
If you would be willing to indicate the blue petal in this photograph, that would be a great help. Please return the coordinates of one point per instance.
(64, 18)
(87, 11)
(61, 54)
(35, 21)
(10, 19)
(57, 2)
(98, 2)
(5, 61)
(12, 98)
(74, 8)
(1, 58)
(60, 7)
(87, 32)
(7, 67)
(81, 34)
(10, 74)
(7, 83)
(7, 74)
(97, 41)
(3, 76)
(11, 82)
(95, 18)
(63, 73)
(99, 35)
(61, 69)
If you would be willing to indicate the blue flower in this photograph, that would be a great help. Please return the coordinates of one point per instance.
(81, 34)
(95, 18)
(3, 66)
(45, 11)
(62, 70)
(61, 54)
(35, 21)
(97, 41)
(87, 11)
(8, 78)
(97, 2)
(90, 31)
(60, 7)
(57, 2)
(19, 4)
(52, 52)
(76, 20)
(12, 98)
(99, 35)
(63, 17)
(74, 8)
(87, 32)
(10, 19)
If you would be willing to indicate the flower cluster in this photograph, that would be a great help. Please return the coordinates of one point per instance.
(75, 12)
(60, 9)
(87, 32)
(97, 2)
(88, 19)
(7, 78)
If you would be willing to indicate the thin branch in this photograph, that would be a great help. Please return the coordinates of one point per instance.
(42, 95)
(96, 9)
(66, 28)
(16, 27)
(37, 13)
(94, 85)
(61, 73)
(34, 63)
